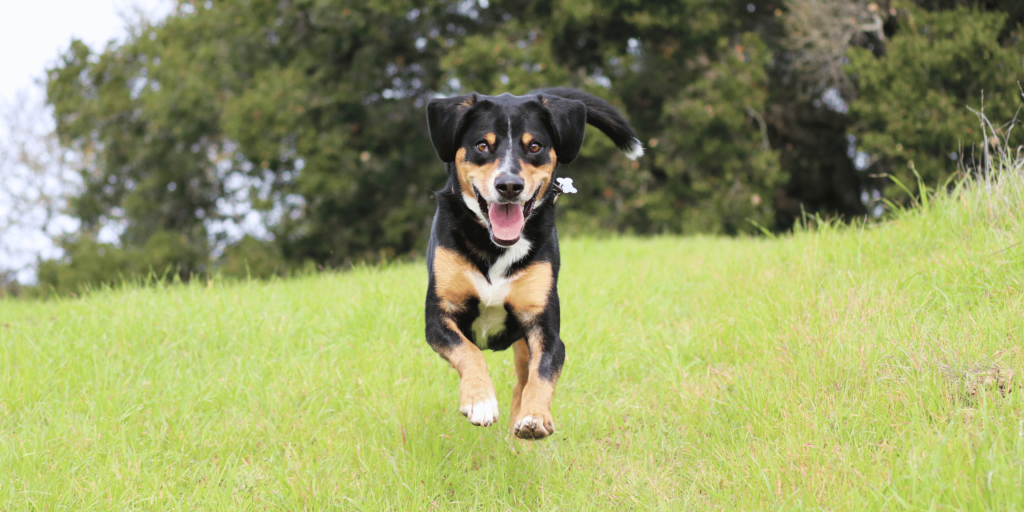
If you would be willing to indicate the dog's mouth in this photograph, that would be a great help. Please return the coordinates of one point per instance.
(506, 220)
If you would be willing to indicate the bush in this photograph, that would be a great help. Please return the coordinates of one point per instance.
(251, 258)
(87, 263)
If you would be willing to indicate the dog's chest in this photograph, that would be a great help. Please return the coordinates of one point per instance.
(492, 307)
(493, 291)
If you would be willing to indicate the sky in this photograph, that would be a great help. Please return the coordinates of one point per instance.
(33, 33)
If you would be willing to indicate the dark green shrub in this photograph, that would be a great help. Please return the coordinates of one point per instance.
(912, 111)
(251, 258)
(87, 263)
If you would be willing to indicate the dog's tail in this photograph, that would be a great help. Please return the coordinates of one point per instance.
(604, 117)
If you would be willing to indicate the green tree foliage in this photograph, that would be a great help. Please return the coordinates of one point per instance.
(912, 112)
(720, 165)
(1014, 10)
(315, 104)
(311, 110)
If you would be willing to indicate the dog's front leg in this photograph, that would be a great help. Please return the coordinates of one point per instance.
(478, 401)
(543, 354)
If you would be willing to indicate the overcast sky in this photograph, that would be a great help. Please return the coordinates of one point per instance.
(34, 32)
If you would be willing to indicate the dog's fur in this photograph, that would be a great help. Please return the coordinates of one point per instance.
(488, 289)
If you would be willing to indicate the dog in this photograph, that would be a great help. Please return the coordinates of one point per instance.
(493, 254)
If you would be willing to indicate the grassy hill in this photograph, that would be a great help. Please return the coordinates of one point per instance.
(862, 367)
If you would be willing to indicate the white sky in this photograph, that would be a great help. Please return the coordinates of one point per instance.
(33, 33)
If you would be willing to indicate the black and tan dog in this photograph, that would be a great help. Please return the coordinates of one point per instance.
(493, 255)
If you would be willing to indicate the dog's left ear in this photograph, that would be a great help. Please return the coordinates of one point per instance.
(445, 119)
(568, 120)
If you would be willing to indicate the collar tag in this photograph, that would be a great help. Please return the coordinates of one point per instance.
(565, 185)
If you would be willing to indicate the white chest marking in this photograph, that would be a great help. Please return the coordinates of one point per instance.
(492, 294)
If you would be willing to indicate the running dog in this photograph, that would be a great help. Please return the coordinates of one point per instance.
(493, 254)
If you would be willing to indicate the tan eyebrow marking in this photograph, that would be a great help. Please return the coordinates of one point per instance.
(527, 139)
(491, 138)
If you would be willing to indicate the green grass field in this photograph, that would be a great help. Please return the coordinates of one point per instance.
(840, 368)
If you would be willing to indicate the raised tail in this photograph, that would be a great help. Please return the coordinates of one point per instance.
(604, 117)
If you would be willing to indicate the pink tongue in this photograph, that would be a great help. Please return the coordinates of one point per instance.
(506, 220)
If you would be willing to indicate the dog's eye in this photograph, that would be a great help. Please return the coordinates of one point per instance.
(534, 147)
(481, 147)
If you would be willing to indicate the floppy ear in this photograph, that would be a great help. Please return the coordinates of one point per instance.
(602, 116)
(445, 119)
(568, 122)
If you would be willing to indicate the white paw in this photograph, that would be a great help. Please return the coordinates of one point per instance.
(483, 413)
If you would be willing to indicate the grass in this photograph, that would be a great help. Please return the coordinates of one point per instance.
(868, 367)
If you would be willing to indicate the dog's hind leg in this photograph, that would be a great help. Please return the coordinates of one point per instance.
(477, 400)
(522, 363)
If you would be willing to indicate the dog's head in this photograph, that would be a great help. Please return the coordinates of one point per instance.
(505, 149)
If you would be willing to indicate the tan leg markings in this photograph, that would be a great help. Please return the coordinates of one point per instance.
(477, 399)
(533, 419)
(522, 363)
(528, 295)
(451, 279)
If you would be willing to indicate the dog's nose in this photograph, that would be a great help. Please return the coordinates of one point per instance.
(509, 185)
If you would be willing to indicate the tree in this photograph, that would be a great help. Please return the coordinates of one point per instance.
(312, 108)
(913, 113)
(304, 118)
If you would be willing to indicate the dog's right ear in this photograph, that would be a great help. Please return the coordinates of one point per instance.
(445, 120)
